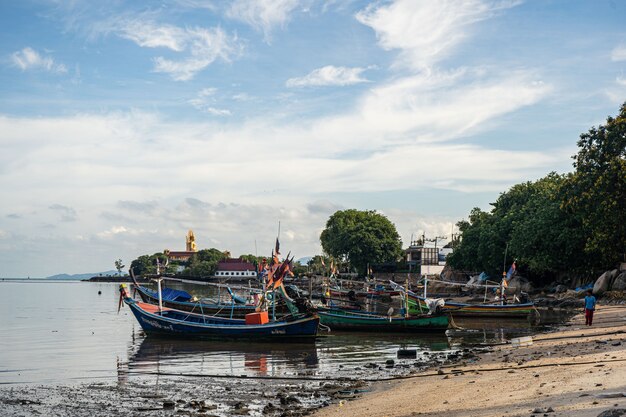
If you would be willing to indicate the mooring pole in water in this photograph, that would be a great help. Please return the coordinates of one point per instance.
(485, 300)
(274, 304)
(160, 296)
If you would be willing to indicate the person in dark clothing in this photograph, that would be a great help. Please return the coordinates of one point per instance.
(590, 307)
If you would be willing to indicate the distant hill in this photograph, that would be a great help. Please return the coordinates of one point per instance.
(305, 260)
(78, 277)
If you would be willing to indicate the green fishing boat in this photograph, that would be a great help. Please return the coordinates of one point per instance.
(363, 321)
(417, 304)
(339, 319)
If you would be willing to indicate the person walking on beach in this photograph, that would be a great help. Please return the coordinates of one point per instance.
(590, 306)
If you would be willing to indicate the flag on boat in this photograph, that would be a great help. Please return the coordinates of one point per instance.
(511, 270)
(277, 249)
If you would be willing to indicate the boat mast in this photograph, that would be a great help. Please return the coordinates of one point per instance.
(160, 295)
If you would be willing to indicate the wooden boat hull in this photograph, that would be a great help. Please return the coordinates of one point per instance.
(181, 324)
(338, 319)
(479, 310)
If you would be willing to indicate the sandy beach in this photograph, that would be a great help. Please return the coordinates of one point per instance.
(575, 371)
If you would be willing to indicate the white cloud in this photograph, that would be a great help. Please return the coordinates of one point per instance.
(68, 214)
(115, 230)
(616, 92)
(426, 31)
(203, 46)
(329, 75)
(619, 53)
(243, 178)
(242, 97)
(150, 35)
(205, 100)
(29, 59)
(263, 15)
(218, 112)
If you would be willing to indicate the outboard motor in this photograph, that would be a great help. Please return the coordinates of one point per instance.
(293, 291)
(524, 297)
(303, 305)
(435, 305)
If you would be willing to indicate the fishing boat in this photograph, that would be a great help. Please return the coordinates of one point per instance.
(521, 310)
(232, 310)
(417, 303)
(182, 300)
(339, 319)
(344, 319)
(164, 321)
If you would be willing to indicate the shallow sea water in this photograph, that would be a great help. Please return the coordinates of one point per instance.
(67, 333)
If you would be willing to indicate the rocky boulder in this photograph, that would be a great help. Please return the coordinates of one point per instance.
(449, 274)
(603, 283)
(519, 284)
(619, 283)
(560, 288)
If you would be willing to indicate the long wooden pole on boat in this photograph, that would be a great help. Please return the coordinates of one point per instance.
(406, 298)
(160, 295)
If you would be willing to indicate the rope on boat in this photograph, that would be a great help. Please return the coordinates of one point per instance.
(324, 327)
(536, 316)
(453, 325)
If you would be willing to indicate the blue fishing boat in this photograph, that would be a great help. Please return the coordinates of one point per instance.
(232, 310)
(158, 320)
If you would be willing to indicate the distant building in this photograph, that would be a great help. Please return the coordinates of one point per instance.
(190, 249)
(425, 259)
(235, 268)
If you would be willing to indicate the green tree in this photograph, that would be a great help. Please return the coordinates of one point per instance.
(119, 266)
(147, 264)
(526, 223)
(141, 265)
(319, 265)
(361, 238)
(596, 192)
(204, 262)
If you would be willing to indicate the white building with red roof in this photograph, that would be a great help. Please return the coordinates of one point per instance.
(235, 268)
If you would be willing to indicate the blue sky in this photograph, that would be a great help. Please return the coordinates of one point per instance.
(123, 125)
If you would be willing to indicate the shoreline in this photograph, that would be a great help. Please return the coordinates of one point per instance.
(573, 371)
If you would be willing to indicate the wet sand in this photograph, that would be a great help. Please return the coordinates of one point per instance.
(576, 371)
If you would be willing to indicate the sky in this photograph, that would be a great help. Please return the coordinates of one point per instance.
(123, 124)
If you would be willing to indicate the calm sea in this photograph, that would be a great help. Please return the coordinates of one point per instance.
(71, 332)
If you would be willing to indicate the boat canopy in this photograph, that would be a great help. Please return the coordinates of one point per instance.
(170, 294)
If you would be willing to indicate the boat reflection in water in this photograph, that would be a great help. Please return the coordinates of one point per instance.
(337, 354)
(194, 357)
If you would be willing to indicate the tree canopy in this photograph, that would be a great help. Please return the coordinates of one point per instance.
(147, 264)
(204, 262)
(361, 238)
(596, 192)
(574, 222)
